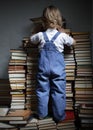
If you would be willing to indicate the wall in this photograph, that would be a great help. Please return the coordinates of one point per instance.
(92, 32)
(15, 23)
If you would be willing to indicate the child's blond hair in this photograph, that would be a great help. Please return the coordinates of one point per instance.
(52, 17)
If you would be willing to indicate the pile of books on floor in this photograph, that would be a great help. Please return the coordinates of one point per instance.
(44, 124)
(22, 76)
(26, 120)
(68, 123)
(84, 79)
(47, 124)
(10, 119)
(17, 78)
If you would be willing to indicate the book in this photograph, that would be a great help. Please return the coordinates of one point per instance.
(17, 122)
(4, 111)
(83, 115)
(16, 115)
(46, 120)
(18, 57)
(31, 124)
(86, 111)
(6, 126)
(17, 86)
(17, 75)
(19, 54)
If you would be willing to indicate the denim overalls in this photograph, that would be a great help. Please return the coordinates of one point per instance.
(51, 79)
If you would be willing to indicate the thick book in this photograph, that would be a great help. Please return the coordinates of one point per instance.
(17, 122)
(16, 115)
(18, 57)
(14, 75)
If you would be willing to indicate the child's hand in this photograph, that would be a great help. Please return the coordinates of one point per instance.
(60, 29)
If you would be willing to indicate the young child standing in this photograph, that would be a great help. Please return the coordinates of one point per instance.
(51, 76)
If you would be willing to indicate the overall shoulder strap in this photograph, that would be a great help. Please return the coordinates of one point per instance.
(45, 37)
(55, 36)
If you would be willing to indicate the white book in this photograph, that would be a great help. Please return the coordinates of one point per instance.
(18, 57)
(17, 78)
(19, 54)
(16, 75)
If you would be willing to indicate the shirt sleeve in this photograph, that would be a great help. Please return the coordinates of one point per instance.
(35, 38)
(68, 40)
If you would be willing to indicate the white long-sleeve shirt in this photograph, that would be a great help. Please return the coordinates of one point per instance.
(60, 41)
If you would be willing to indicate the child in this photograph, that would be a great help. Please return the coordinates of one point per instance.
(51, 76)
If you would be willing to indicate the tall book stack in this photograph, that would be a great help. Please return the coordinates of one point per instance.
(32, 56)
(31, 71)
(17, 79)
(84, 79)
(69, 57)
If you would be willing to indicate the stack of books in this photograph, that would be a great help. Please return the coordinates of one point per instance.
(31, 125)
(83, 54)
(47, 124)
(12, 118)
(86, 116)
(31, 100)
(84, 79)
(68, 123)
(17, 79)
(69, 57)
(70, 62)
(69, 96)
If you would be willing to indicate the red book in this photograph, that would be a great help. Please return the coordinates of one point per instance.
(69, 117)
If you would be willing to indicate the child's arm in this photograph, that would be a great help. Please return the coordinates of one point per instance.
(74, 42)
(67, 31)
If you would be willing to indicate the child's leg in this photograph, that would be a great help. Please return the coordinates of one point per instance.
(43, 85)
(42, 93)
(58, 86)
(58, 99)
